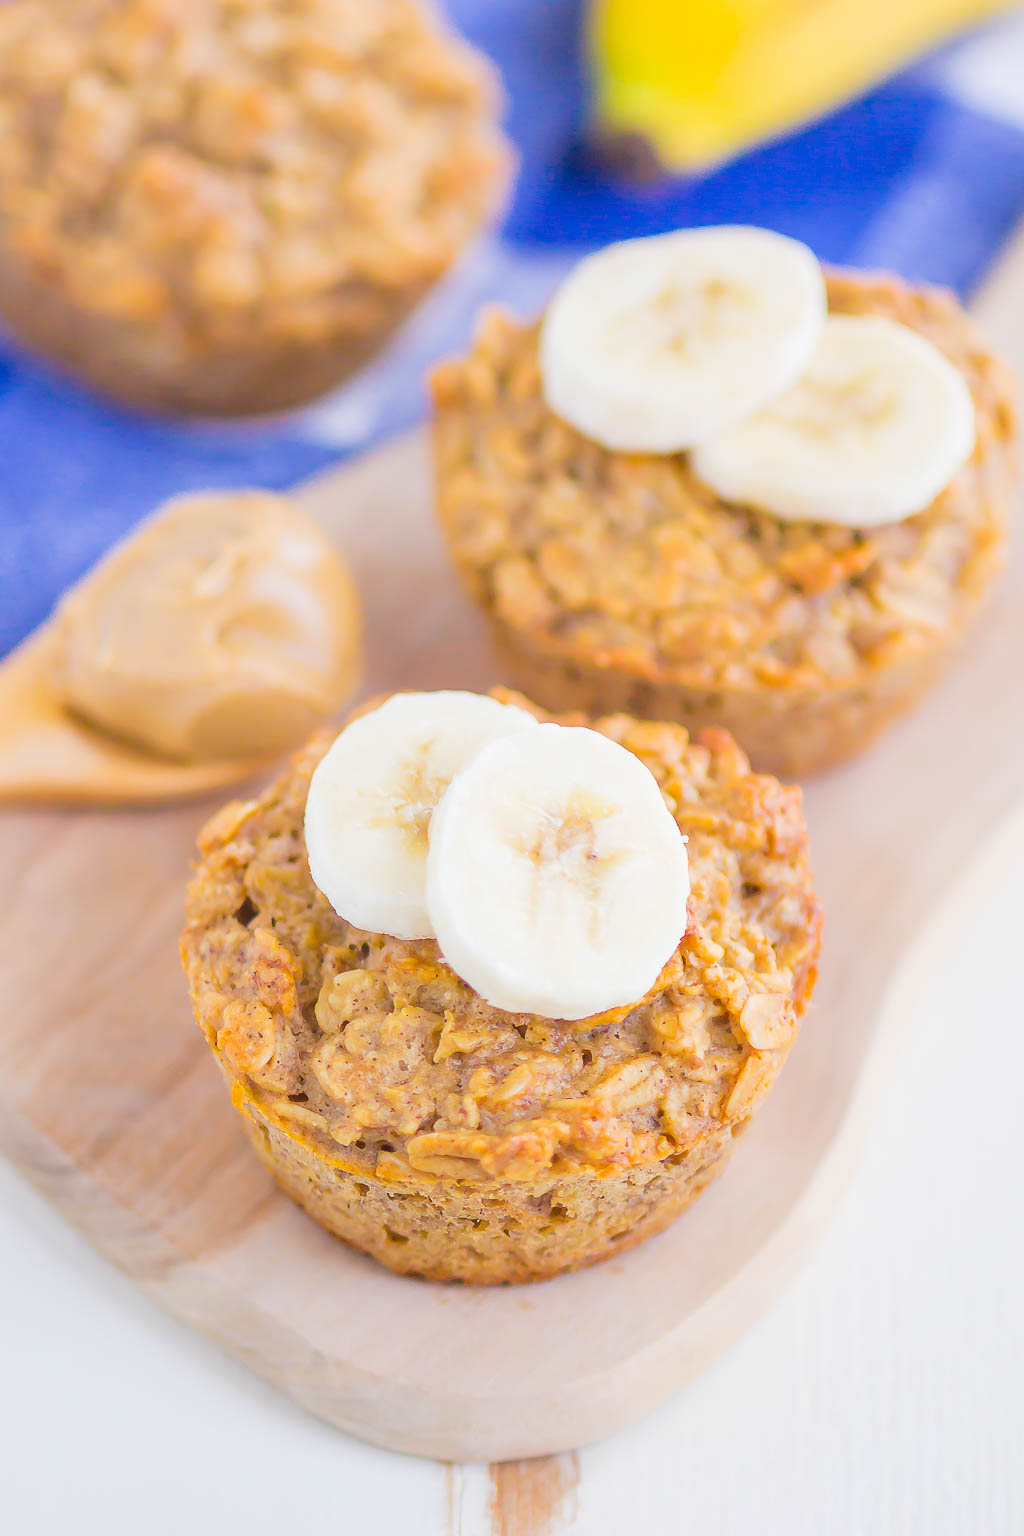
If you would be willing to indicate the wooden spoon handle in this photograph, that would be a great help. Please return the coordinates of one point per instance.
(47, 757)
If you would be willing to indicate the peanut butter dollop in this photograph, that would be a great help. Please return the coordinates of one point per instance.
(226, 626)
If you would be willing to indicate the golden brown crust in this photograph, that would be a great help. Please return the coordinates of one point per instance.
(366, 1061)
(620, 581)
(226, 205)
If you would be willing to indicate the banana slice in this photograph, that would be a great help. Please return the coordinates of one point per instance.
(557, 878)
(877, 427)
(372, 796)
(652, 345)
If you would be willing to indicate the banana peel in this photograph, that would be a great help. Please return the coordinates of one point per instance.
(702, 80)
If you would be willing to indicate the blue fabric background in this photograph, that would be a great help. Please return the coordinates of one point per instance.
(908, 177)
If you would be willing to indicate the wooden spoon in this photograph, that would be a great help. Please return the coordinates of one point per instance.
(226, 616)
(49, 757)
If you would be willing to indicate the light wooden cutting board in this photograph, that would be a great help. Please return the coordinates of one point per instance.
(110, 1103)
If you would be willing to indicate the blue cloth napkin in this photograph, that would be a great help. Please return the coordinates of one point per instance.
(925, 175)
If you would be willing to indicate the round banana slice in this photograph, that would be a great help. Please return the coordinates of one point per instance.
(372, 796)
(876, 428)
(652, 345)
(557, 878)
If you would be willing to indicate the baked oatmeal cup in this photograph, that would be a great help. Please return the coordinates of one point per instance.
(226, 206)
(451, 1139)
(619, 580)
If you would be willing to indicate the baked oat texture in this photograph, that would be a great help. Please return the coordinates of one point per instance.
(450, 1139)
(618, 581)
(227, 205)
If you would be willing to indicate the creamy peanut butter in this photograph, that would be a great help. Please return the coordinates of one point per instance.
(228, 626)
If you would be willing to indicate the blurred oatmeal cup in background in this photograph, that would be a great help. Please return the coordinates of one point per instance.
(224, 206)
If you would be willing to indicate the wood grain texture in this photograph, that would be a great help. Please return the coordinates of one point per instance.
(533, 1498)
(110, 1103)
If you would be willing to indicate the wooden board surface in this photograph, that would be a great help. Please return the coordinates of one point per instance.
(110, 1104)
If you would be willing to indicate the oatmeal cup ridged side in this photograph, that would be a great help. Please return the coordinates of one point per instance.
(245, 374)
(453, 1140)
(497, 1232)
(615, 581)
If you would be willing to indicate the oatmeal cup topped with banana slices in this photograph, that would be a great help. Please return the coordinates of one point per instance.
(496, 993)
(717, 485)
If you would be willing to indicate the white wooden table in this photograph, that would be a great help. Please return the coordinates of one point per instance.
(882, 1395)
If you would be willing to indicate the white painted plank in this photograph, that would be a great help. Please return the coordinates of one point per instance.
(114, 1418)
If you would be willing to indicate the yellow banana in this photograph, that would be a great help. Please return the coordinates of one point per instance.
(704, 79)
